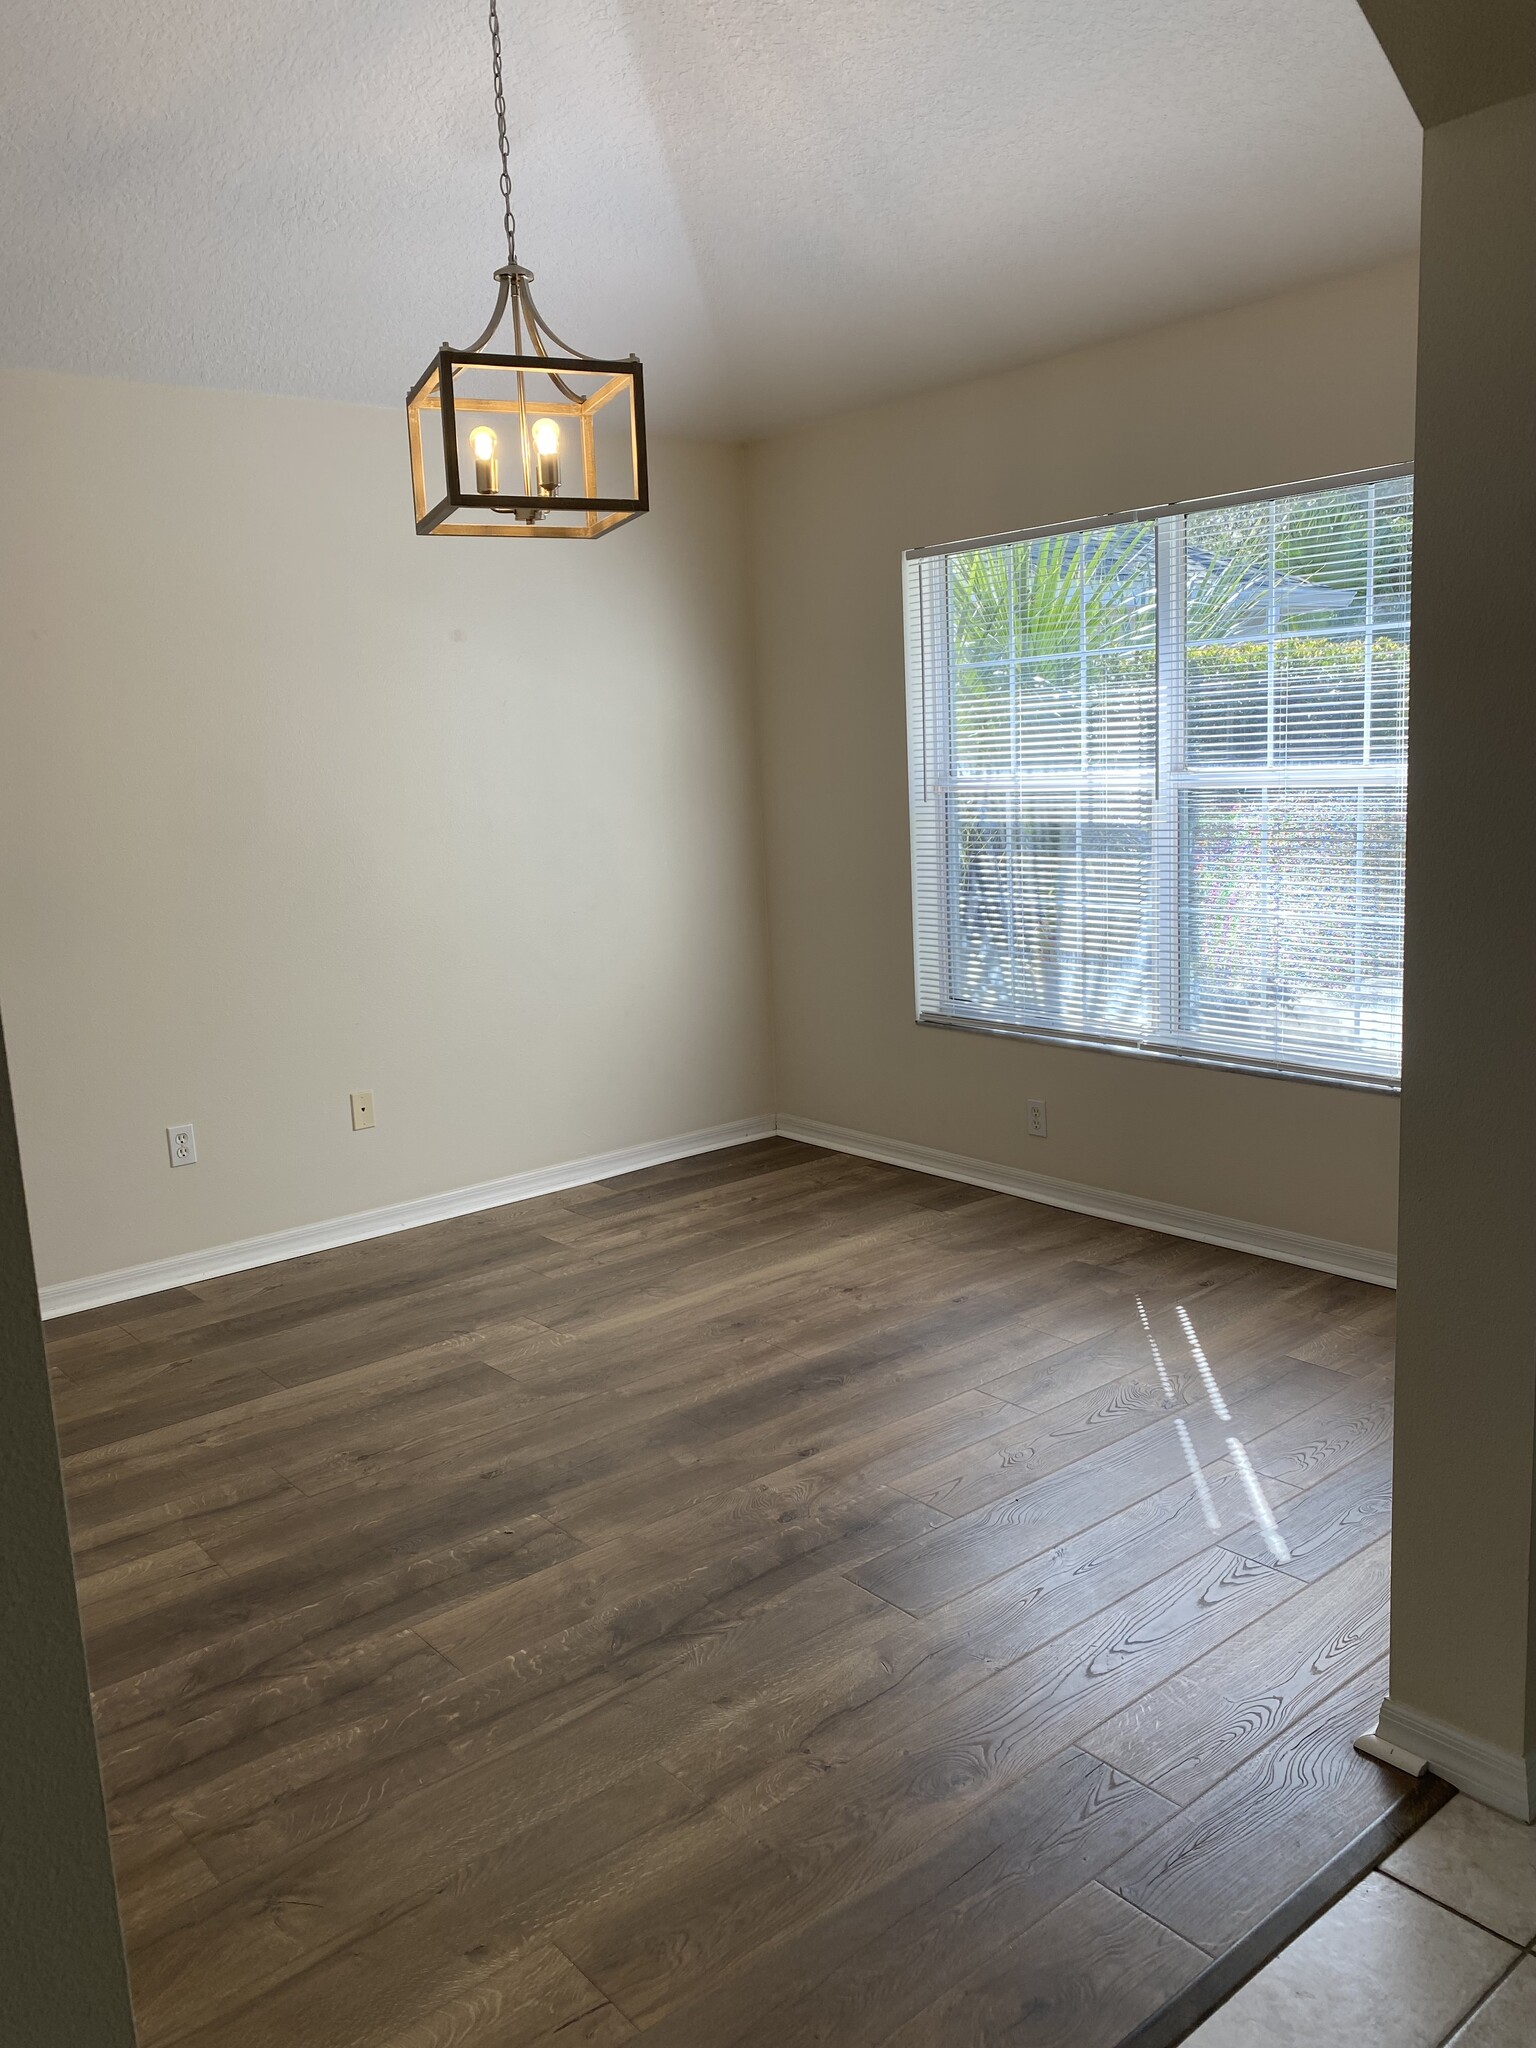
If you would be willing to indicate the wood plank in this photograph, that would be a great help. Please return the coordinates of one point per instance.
(89, 1322)
(533, 1995)
(157, 1870)
(1087, 1975)
(1330, 1522)
(1184, 1735)
(1239, 1321)
(1362, 1341)
(168, 1505)
(1052, 1694)
(123, 1586)
(96, 1350)
(628, 1596)
(1020, 1525)
(371, 1405)
(280, 1961)
(852, 1974)
(109, 1557)
(1354, 1420)
(155, 1749)
(1012, 1458)
(1021, 1452)
(1228, 1859)
(103, 1408)
(920, 1667)
(307, 1596)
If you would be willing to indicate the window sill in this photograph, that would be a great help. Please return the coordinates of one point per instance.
(1362, 1084)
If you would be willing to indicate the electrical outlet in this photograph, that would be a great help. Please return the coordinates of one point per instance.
(362, 1109)
(182, 1140)
(1037, 1119)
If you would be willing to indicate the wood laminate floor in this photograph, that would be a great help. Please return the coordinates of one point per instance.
(769, 1599)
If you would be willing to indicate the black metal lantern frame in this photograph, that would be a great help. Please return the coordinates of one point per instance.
(532, 445)
(526, 445)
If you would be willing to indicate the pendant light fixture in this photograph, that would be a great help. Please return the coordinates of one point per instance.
(530, 445)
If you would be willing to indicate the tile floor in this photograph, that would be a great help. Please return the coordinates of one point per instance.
(1433, 1948)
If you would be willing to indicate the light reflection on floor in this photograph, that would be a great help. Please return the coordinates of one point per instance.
(1253, 1487)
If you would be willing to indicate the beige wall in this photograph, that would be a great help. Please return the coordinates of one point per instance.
(1313, 383)
(1464, 1536)
(292, 802)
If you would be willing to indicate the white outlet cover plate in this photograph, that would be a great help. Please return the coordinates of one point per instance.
(181, 1141)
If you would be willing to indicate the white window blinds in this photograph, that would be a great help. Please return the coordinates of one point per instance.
(1157, 780)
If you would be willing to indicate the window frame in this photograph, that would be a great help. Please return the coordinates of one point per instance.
(929, 690)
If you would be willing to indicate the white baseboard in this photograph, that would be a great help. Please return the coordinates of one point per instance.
(1500, 1778)
(67, 1297)
(1356, 1262)
(99, 1290)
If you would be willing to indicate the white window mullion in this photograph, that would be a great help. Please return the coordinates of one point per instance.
(928, 743)
(942, 757)
(1166, 1019)
(1011, 832)
(1270, 625)
(1370, 621)
(1359, 931)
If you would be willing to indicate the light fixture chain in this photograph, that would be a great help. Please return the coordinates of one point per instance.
(509, 219)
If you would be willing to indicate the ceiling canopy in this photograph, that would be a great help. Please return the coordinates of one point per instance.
(786, 207)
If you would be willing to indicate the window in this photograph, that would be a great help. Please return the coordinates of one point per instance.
(1157, 780)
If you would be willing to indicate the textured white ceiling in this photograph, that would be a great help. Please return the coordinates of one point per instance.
(784, 206)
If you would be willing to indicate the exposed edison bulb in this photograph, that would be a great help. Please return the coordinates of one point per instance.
(482, 445)
(546, 441)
